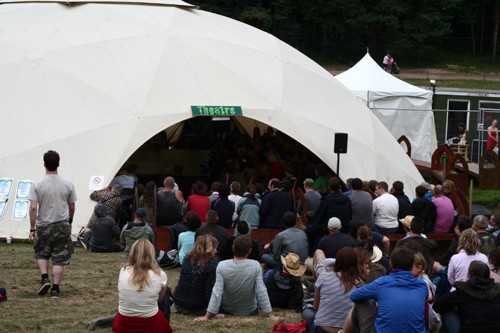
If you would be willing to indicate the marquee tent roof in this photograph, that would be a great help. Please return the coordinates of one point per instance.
(403, 108)
(94, 81)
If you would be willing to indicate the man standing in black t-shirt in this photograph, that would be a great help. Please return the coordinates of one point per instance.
(169, 203)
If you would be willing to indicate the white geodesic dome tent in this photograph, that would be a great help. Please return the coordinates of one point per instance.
(95, 80)
(403, 108)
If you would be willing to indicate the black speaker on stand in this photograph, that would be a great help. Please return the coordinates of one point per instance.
(340, 147)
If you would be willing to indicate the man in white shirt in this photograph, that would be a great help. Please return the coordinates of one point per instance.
(385, 62)
(385, 210)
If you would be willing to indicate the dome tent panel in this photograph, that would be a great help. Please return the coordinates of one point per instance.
(91, 86)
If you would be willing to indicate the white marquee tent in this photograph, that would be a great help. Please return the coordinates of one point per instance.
(96, 80)
(403, 108)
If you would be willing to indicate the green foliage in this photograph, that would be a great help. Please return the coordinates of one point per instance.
(489, 198)
(257, 16)
(415, 32)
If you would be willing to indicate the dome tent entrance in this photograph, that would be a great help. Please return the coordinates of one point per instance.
(403, 108)
(94, 81)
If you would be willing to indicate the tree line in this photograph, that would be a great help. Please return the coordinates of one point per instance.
(416, 31)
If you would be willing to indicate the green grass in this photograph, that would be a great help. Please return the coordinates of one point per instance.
(89, 291)
(467, 84)
(488, 198)
(465, 63)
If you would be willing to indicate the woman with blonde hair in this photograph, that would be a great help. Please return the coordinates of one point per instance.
(197, 277)
(449, 187)
(468, 251)
(141, 285)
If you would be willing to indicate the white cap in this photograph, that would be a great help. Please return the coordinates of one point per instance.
(334, 224)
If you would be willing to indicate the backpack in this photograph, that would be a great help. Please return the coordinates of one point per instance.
(169, 259)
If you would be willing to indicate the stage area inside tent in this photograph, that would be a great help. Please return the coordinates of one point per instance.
(203, 149)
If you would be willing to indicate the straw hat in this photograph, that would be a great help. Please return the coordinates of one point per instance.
(292, 264)
(377, 254)
(407, 220)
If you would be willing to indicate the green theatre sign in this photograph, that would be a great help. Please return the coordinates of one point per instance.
(216, 110)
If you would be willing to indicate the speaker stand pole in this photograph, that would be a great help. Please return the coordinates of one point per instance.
(338, 164)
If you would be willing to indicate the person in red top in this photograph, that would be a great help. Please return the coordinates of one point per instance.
(492, 136)
(198, 201)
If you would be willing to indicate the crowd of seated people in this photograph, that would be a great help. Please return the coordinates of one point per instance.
(335, 241)
(401, 297)
(355, 286)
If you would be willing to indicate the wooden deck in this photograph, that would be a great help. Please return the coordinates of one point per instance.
(473, 169)
(424, 167)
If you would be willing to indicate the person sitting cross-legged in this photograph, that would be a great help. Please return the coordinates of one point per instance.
(179, 228)
(293, 239)
(332, 291)
(336, 240)
(480, 225)
(239, 288)
(242, 228)
(468, 251)
(385, 210)
(284, 285)
(212, 228)
(187, 239)
(444, 211)
(494, 228)
(335, 204)
(224, 207)
(110, 198)
(141, 286)
(428, 248)
(477, 301)
(401, 297)
(197, 277)
(135, 230)
(100, 233)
